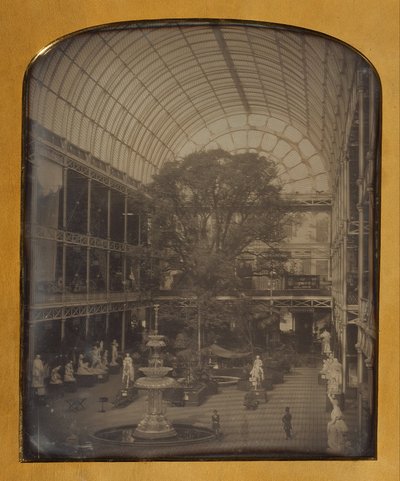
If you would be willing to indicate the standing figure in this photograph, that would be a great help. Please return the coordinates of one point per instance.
(325, 342)
(287, 423)
(215, 424)
(257, 373)
(104, 359)
(132, 279)
(95, 356)
(37, 373)
(114, 353)
(128, 372)
(336, 411)
(69, 372)
(334, 376)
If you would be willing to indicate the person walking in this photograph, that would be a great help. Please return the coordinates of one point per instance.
(287, 423)
(215, 423)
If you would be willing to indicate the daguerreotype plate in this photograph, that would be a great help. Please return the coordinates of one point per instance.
(201, 219)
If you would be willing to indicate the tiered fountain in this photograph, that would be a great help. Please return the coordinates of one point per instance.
(154, 429)
(155, 425)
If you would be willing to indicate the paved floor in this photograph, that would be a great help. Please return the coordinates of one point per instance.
(247, 434)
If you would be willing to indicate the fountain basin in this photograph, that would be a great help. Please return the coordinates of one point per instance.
(156, 383)
(159, 371)
(185, 434)
(156, 340)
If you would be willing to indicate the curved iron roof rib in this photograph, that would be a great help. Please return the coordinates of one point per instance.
(136, 98)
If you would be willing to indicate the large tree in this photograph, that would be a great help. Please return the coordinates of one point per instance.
(208, 209)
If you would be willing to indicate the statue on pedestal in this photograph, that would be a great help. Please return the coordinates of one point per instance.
(55, 377)
(104, 359)
(114, 353)
(325, 337)
(83, 366)
(337, 430)
(38, 373)
(95, 356)
(69, 372)
(128, 373)
(334, 376)
(257, 373)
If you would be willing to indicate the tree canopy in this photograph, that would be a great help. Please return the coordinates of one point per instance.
(208, 209)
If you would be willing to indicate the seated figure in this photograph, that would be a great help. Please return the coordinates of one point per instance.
(337, 433)
(55, 377)
(83, 367)
(337, 429)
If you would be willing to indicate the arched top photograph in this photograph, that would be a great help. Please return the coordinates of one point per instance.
(200, 232)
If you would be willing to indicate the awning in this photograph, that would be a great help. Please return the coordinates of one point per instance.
(219, 351)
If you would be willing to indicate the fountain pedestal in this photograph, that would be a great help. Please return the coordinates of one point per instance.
(155, 425)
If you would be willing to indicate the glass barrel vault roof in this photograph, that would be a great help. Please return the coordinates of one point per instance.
(137, 96)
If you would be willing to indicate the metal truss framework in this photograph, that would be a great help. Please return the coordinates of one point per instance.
(40, 314)
(48, 313)
(306, 200)
(59, 235)
(87, 165)
(289, 302)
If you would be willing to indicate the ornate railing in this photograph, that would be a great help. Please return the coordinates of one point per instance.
(49, 233)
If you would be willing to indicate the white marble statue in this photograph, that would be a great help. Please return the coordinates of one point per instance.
(104, 359)
(55, 377)
(83, 367)
(257, 373)
(69, 372)
(114, 353)
(337, 430)
(325, 342)
(334, 376)
(38, 372)
(95, 356)
(128, 372)
(326, 365)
